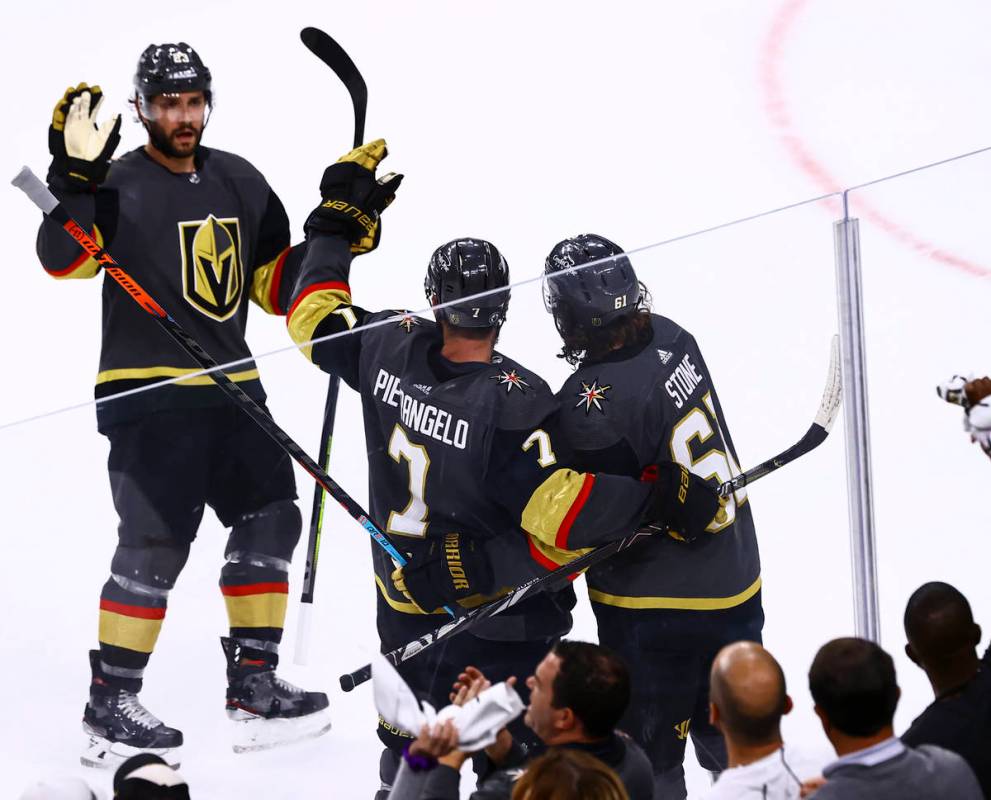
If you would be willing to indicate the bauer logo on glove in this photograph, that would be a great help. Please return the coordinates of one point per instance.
(353, 200)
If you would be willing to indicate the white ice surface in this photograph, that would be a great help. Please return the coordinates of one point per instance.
(525, 124)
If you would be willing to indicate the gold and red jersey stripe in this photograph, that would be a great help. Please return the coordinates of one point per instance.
(131, 627)
(555, 505)
(256, 605)
(312, 306)
(266, 282)
(84, 266)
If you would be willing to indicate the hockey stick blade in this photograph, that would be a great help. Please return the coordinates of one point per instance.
(816, 435)
(333, 55)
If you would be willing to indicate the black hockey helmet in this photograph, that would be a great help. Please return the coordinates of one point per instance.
(462, 269)
(596, 295)
(170, 69)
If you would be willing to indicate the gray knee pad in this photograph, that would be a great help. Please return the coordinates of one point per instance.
(151, 570)
(267, 536)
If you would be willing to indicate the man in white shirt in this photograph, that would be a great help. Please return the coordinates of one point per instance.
(747, 698)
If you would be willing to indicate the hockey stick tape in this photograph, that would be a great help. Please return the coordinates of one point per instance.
(39, 194)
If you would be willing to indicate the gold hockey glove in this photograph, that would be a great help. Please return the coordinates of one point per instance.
(80, 149)
(353, 200)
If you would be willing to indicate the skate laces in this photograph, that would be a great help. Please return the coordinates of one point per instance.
(285, 685)
(131, 708)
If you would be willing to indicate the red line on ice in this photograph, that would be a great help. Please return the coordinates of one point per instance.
(777, 109)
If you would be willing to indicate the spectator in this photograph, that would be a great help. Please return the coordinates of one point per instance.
(420, 757)
(747, 698)
(578, 693)
(147, 776)
(942, 640)
(59, 789)
(853, 685)
(566, 774)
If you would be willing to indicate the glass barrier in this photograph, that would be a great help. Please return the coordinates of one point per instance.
(926, 269)
(759, 299)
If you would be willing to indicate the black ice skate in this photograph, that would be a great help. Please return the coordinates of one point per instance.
(268, 711)
(117, 726)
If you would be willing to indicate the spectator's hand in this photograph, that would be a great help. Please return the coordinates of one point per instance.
(977, 389)
(498, 750)
(435, 742)
(812, 785)
(469, 685)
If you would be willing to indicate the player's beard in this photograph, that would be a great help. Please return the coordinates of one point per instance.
(166, 143)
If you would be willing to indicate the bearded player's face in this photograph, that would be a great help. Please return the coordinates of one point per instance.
(175, 122)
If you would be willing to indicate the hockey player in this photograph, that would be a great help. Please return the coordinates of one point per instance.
(641, 393)
(460, 445)
(181, 447)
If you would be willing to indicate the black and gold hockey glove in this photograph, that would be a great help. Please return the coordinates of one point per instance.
(451, 569)
(353, 200)
(80, 150)
(681, 503)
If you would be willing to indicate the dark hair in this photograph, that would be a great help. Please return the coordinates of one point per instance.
(567, 774)
(939, 623)
(853, 682)
(594, 683)
(594, 344)
(749, 724)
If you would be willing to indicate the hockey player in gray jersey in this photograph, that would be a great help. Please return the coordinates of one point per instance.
(641, 393)
(462, 447)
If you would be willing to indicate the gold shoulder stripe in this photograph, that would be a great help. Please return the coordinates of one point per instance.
(142, 373)
(681, 603)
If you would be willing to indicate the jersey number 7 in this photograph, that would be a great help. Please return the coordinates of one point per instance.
(412, 520)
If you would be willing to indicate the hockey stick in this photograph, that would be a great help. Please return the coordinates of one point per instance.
(333, 55)
(301, 654)
(39, 194)
(816, 435)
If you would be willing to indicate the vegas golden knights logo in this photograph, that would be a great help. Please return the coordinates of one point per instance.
(681, 729)
(211, 265)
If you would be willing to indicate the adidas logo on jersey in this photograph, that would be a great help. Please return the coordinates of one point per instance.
(423, 387)
(664, 355)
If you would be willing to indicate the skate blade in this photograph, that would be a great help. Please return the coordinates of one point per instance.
(101, 753)
(253, 733)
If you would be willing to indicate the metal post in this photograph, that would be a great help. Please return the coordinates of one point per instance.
(860, 498)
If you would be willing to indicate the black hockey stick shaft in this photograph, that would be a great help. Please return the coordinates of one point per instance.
(40, 195)
(333, 55)
(316, 512)
(815, 436)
